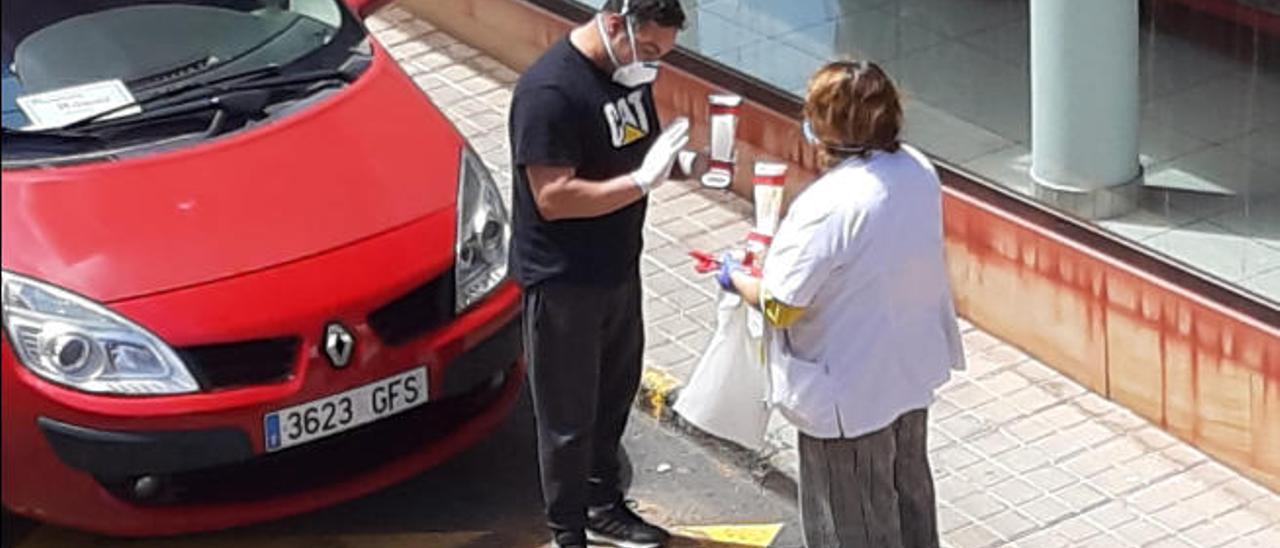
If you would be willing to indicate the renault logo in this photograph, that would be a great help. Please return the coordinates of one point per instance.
(339, 344)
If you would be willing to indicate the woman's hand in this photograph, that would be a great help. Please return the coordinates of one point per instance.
(735, 277)
(728, 265)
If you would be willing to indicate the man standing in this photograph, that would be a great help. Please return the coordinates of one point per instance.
(587, 150)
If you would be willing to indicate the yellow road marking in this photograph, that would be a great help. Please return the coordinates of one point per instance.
(659, 385)
(753, 535)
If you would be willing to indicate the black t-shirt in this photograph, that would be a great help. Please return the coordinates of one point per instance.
(566, 111)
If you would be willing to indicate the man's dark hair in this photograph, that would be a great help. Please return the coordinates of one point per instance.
(666, 13)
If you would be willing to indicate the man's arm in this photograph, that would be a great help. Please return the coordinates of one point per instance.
(560, 194)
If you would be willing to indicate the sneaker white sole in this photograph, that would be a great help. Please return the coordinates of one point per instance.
(600, 538)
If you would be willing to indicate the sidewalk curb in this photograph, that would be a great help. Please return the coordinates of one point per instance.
(658, 393)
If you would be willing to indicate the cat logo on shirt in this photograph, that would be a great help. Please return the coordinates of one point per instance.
(628, 120)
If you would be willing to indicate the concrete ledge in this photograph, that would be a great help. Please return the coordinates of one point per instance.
(1093, 205)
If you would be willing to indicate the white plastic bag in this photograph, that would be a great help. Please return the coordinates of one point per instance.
(727, 396)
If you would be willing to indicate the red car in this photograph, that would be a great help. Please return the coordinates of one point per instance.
(248, 269)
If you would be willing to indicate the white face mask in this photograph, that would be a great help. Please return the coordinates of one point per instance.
(636, 73)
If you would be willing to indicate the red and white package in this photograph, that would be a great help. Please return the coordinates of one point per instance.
(724, 130)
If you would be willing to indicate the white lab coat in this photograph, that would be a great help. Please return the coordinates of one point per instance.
(861, 250)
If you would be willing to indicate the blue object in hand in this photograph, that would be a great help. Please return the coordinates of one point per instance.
(728, 265)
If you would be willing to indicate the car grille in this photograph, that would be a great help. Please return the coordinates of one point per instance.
(267, 361)
(245, 363)
(427, 307)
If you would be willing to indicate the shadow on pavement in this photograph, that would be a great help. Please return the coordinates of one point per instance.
(488, 497)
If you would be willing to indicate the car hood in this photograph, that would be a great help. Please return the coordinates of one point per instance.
(366, 160)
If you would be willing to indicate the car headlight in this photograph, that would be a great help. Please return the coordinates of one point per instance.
(73, 341)
(484, 233)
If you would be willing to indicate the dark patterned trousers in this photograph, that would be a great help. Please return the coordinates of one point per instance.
(872, 491)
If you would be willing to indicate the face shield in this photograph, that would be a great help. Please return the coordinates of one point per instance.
(636, 73)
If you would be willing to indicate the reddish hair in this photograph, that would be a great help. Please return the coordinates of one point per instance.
(854, 109)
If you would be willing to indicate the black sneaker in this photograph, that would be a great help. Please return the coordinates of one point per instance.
(569, 539)
(619, 526)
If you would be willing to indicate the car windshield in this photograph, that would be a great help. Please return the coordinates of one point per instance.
(64, 59)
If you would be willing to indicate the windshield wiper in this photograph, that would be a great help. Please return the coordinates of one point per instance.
(234, 95)
(241, 82)
(232, 105)
(238, 103)
(50, 140)
(68, 130)
(173, 91)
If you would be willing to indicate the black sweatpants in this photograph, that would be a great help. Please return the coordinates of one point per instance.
(584, 346)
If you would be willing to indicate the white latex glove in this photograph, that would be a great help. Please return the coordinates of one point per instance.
(658, 161)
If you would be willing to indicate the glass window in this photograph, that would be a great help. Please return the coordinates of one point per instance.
(1209, 81)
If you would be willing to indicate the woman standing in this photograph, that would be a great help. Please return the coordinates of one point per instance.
(855, 288)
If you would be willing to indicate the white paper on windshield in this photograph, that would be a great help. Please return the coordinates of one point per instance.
(59, 107)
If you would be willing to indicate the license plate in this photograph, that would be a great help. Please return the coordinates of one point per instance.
(333, 414)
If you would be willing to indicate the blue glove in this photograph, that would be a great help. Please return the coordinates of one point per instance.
(728, 265)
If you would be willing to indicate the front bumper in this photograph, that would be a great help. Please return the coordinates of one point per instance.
(218, 464)
(143, 483)
(75, 459)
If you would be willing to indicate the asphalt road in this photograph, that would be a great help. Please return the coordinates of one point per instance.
(489, 497)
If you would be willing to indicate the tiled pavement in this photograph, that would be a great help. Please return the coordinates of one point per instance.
(1022, 455)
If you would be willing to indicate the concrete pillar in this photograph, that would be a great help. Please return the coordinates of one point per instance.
(1085, 105)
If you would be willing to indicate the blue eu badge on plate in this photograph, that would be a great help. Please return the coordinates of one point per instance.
(273, 431)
